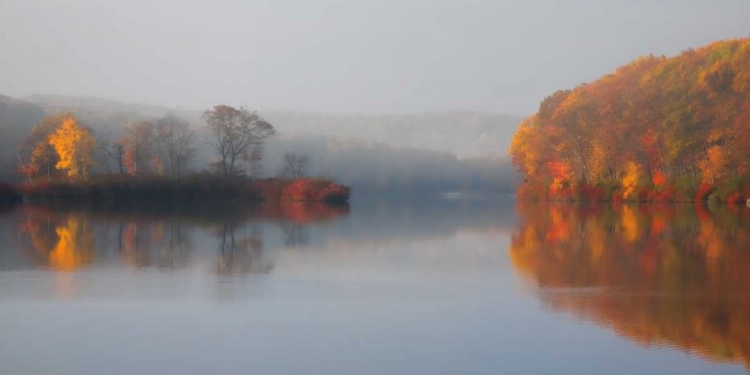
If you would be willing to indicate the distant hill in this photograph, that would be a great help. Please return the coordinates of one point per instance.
(91, 105)
(17, 117)
(464, 133)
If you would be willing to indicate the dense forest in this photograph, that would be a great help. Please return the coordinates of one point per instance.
(657, 129)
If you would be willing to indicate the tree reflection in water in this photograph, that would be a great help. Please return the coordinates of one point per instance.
(659, 275)
(241, 255)
(70, 238)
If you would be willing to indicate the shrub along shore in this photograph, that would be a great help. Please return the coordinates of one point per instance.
(125, 188)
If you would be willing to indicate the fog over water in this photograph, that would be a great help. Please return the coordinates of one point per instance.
(373, 56)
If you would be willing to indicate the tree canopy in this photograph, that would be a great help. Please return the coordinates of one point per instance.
(234, 135)
(75, 148)
(655, 122)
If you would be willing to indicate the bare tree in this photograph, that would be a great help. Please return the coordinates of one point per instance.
(234, 132)
(106, 151)
(117, 152)
(174, 140)
(102, 152)
(295, 166)
(255, 161)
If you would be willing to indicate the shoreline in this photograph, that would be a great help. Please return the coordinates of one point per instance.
(118, 190)
(736, 193)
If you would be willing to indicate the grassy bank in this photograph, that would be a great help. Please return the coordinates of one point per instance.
(123, 188)
(736, 191)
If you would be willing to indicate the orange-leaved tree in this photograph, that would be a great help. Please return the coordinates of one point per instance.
(75, 147)
(652, 126)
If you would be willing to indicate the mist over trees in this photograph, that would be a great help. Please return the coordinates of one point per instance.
(377, 168)
(138, 144)
(17, 117)
(60, 146)
(295, 166)
(464, 133)
(175, 140)
(366, 164)
(34, 153)
(234, 134)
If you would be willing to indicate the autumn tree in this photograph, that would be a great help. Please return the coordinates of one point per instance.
(138, 145)
(36, 157)
(234, 133)
(75, 147)
(650, 126)
(174, 142)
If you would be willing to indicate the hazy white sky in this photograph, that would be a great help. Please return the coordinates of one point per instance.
(375, 56)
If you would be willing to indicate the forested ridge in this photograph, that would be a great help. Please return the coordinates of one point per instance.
(657, 129)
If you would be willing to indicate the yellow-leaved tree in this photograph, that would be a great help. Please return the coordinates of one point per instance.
(75, 146)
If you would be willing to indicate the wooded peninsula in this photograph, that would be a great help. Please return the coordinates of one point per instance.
(148, 163)
(656, 130)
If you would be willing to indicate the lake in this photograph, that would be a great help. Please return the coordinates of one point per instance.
(444, 286)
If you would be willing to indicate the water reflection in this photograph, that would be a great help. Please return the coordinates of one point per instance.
(65, 244)
(71, 238)
(658, 275)
(241, 254)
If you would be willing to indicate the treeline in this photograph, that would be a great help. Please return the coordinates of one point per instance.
(60, 146)
(374, 154)
(58, 156)
(657, 129)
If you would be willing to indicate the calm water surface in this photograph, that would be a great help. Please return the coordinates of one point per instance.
(437, 287)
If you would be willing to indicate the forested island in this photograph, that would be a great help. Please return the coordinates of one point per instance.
(658, 129)
(149, 163)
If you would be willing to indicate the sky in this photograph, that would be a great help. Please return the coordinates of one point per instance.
(342, 56)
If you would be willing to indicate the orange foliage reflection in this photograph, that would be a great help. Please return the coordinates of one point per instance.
(67, 239)
(66, 244)
(658, 275)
